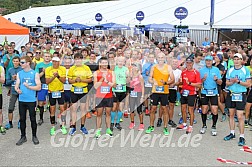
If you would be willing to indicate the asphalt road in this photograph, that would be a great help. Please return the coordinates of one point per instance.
(126, 148)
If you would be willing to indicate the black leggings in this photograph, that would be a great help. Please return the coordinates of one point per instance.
(23, 107)
(135, 104)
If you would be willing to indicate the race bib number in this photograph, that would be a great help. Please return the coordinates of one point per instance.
(105, 89)
(148, 85)
(13, 83)
(160, 89)
(185, 93)
(210, 93)
(237, 97)
(133, 94)
(78, 90)
(45, 86)
(119, 87)
(56, 95)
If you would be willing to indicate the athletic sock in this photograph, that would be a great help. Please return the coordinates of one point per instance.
(112, 115)
(204, 118)
(215, 119)
(119, 116)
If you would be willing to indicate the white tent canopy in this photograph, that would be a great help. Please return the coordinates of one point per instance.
(232, 14)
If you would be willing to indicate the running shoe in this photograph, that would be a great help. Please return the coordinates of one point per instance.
(166, 132)
(109, 132)
(147, 112)
(236, 119)
(245, 124)
(112, 126)
(181, 127)
(159, 122)
(118, 126)
(195, 121)
(209, 117)
(229, 137)
(21, 141)
(149, 130)
(88, 115)
(84, 131)
(63, 130)
(189, 130)
(177, 103)
(40, 122)
(214, 131)
(35, 140)
(200, 111)
(8, 126)
(203, 130)
(52, 131)
(226, 110)
(98, 134)
(48, 107)
(131, 126)
(95, 113)
(172, 124)
(180, 120)
(2, 130)
(223, 118)
(241, 141)
(141, 127)
(125, 114)
(121, 120)
(72, 131)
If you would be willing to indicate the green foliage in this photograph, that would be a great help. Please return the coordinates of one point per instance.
(17, 5)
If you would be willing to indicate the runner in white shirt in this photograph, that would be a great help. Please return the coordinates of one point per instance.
(173, 91)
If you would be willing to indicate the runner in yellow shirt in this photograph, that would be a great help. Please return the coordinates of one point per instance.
(55, 79)
(79, 76)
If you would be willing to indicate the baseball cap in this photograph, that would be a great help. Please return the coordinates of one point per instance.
(208, 57)
(238, 55)
(189, 59)
(57, 47)
(55, 59)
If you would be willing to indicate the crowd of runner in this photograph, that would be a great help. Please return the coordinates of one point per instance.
(121, 77)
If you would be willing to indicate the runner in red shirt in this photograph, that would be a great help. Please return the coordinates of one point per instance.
(190, 80)
(104, 80)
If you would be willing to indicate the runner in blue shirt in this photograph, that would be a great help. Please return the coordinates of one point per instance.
(11, 81)
(147, 86)
(27, 84)
(211, 78)
(238, 80)
(41, 95)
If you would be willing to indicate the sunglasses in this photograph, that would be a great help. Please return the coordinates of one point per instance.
(38, 52)
(79, 58)
(22, 62)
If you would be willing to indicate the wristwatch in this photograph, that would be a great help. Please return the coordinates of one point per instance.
(216, 80)
(239, 82)
(190, 83)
